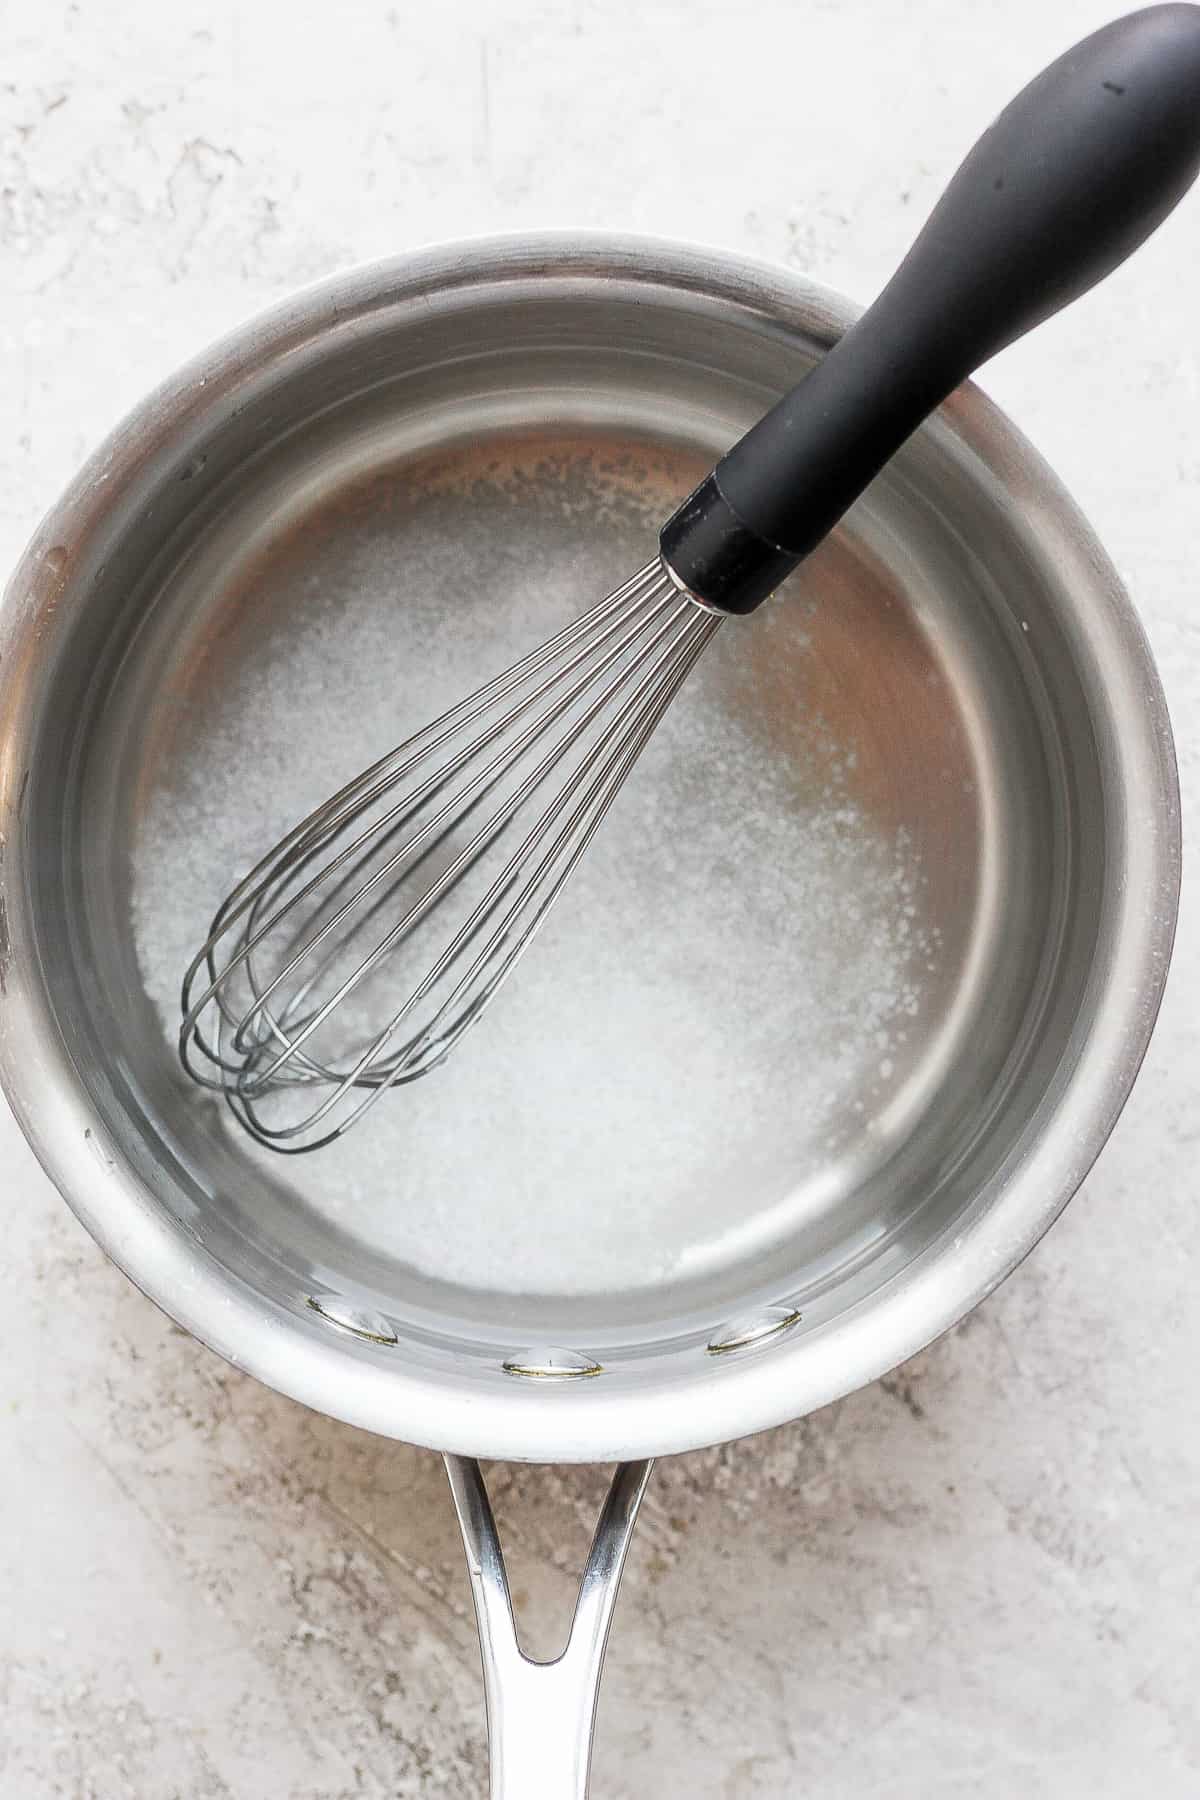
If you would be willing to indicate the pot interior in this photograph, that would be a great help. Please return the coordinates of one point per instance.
(822, 969)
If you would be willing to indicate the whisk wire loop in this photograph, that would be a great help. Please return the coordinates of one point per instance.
(304, 987)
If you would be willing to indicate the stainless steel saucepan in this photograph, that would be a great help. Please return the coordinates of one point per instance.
(957, 674)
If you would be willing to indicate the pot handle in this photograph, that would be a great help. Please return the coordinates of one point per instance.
(540, 1715)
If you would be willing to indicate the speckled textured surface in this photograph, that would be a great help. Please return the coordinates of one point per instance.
(979, 1577)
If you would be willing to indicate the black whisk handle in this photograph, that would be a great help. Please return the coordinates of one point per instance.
(1074, 174)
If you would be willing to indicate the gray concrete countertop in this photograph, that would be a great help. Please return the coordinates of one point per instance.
(978, 1578)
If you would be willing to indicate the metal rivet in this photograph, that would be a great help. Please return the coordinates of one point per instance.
(551, 1365)
(97, 1149)
(360, 1321)
(754, 1329)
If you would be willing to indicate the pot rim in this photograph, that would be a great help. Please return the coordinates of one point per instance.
(591, 1421)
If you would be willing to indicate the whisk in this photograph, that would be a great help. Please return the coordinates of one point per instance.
(358, 951)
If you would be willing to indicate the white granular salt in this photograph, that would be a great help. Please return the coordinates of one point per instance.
(721, 989)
